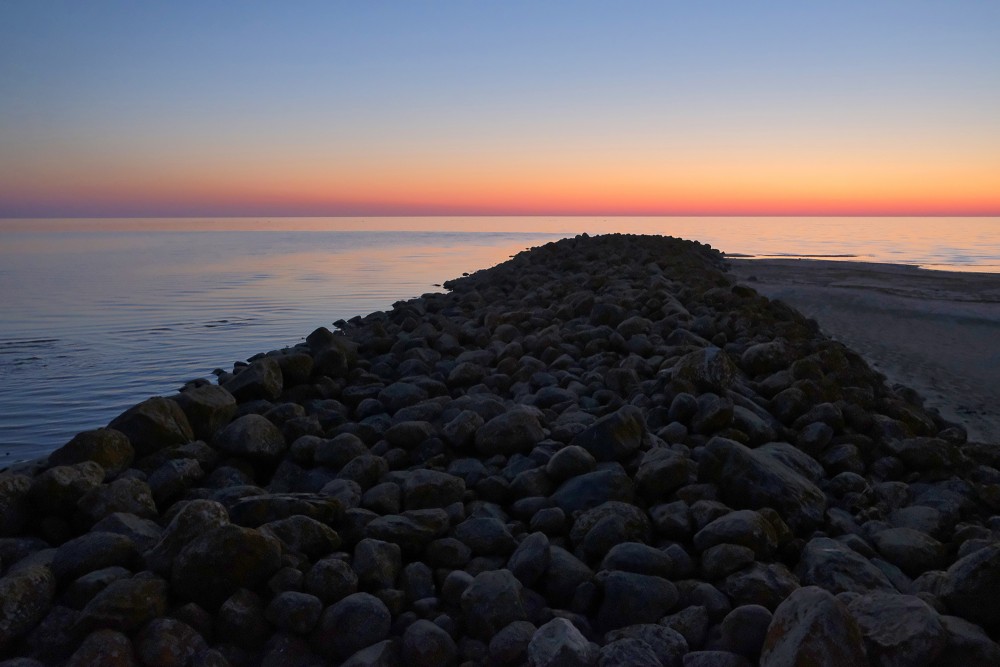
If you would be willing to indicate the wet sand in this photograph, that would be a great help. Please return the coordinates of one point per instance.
(937, 332)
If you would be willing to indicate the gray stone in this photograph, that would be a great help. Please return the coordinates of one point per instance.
(253, 437)
(331, 579)
(559, 643)
(627, 651)
(614, 437)
(747, 478)
(491, 602)
(486, 536)
(293, 611)
(530, 559)
(812, 627)
(58, 490)
(968, 644)
(764, 584)
(912, 551)
(510, 645)
(25, 597)
(92, 551)
(708, 369)
(970, 586)
(126, 494)
(461, 430)
(377, 563)
(592, 489)
(429, 488)
(301, 534)
(724, 559)
(743, 527)
(639, 558)
(107, 447)
(154, 424)
(251, 558)
(899, 630)
(260, 380)
(744, 629)
(14, 504)
(208, 408)
(668, 645)
(569, 461)
(194, 519)
(168, 642)
(125, 605)
(427, 645)
(354, 623)
(515, 431)
(631, 599)
(108, 648)
(661, 472)
(837, 568)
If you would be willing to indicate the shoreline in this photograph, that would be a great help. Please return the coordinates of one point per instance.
(604, 448)
(933, 331)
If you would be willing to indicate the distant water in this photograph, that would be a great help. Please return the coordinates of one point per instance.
(96, 315)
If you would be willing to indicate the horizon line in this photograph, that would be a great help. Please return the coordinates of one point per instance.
(510, 215)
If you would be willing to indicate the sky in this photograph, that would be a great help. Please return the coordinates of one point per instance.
(128, 109)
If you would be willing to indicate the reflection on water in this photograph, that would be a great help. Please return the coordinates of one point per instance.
(98, 314)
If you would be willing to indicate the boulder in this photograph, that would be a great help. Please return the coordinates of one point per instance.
(748, 478)
(970, 586)
(899, 630)
(558, 643)
(356, 622)
(251, 558)
(514, 431)
(106, 447)
(614, 437)
(25, 597)
(812, 627)
(708, 369)
(208, 408)
(154, 424)
(260, 380)
(253, 437)
(491, 602)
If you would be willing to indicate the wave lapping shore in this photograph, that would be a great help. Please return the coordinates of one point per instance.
(603, 451)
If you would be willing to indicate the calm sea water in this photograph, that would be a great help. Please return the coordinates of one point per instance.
(96, 315)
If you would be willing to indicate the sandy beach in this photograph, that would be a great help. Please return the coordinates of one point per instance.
(937, 332)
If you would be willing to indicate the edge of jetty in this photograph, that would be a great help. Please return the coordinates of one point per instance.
(603, 451)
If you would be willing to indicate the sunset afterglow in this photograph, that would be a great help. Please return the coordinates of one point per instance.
(119, 109)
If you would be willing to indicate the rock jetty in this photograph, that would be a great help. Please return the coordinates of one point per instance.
(601, 452)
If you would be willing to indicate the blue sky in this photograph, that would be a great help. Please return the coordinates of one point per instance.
(317, 106)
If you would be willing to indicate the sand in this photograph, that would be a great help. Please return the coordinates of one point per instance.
(937, 332)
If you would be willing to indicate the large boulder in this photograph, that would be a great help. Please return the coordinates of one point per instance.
(154, 424)
(747, 478)
(899, 629)
(832, 565)
(708, 369)
(107, 447)
(514, 431)
(812, 627)
(208, 408)
(25, 597)
(614, 437)
(250, 557)
(260, 380)
(492, 602)
(253, 437)
(971, 584)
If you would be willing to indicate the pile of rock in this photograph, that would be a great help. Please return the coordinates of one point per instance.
(601, 452)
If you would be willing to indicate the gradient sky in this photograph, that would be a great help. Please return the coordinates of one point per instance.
(396, 108)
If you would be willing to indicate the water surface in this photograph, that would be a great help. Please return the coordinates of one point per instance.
(99, 314)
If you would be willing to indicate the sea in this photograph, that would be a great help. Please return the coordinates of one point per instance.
(99, 314)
